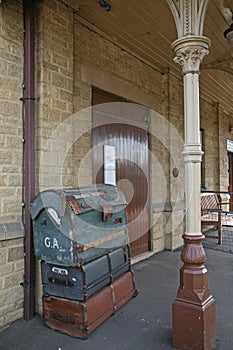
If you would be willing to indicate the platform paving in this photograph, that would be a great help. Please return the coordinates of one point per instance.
(145, 322)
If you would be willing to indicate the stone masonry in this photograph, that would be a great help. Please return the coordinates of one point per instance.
(11, 229)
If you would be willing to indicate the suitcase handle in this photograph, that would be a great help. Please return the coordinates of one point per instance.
(66, 282)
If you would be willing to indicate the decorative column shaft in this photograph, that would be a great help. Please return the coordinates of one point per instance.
(194, 307)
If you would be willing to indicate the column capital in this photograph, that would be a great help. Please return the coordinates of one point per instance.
(189, 52)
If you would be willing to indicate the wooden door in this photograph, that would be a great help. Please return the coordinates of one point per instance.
(122, 125)
(230, 187)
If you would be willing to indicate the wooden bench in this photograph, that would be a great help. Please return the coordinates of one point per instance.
(211, 214)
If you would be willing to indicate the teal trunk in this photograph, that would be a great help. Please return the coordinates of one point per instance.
(75, 226)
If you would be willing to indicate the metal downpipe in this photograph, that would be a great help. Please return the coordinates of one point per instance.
(29, 104)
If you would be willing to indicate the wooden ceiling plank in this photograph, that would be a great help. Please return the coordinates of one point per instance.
(146, 29)
(162, 60)
(214, 25)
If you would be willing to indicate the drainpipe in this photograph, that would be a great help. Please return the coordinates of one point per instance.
(29, 104)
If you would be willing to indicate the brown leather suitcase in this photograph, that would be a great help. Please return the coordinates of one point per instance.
(123, 289)
(79, 319)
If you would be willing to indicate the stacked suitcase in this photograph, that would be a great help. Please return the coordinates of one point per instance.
(81, 238)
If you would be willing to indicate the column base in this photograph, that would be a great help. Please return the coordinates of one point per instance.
(193, 310)
(194, 325)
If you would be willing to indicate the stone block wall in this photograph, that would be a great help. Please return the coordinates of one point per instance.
(11, 229)
(167, 173)
(11, 279)
(11, 75)
(225, 125)
(210, 129)
(54, 133)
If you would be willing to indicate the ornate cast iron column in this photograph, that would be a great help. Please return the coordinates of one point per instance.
(194, 307)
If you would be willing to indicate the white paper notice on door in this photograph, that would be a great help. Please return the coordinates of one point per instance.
(109, 165)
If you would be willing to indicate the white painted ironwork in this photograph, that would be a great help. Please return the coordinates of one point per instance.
(189, 16)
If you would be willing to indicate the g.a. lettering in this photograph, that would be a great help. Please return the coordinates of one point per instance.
(51, 243)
